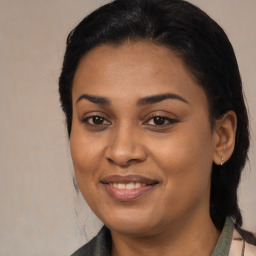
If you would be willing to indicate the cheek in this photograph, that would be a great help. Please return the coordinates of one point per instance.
(86, 153)
(85, 157)
(186, 156)
(184, 149)
(186, 163)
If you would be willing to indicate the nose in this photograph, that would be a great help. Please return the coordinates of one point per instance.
(125, 148)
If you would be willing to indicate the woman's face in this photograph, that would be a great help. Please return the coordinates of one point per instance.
(141, 141)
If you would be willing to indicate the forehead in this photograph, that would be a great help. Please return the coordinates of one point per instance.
(134, 70)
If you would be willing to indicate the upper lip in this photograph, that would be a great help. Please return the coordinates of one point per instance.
(128, 178)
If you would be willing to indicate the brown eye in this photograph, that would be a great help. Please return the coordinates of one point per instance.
(96, 120)
(161, 121)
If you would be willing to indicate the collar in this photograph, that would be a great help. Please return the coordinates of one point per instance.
(230, 243)
(224, 242)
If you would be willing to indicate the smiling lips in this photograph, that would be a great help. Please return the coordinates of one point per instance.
(126, 188)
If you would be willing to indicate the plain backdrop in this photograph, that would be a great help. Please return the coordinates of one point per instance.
(41, 214)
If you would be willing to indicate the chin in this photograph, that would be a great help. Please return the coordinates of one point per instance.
(131, 225)
(132, 229)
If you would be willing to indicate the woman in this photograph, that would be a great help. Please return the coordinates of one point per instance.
(158, 129)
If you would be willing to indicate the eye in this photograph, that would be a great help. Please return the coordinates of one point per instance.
(96, 120)
(161, 121)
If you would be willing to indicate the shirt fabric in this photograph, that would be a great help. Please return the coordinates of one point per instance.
(224, 242)
(230, 243)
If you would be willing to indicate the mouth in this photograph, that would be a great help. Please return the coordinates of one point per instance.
(126, 188)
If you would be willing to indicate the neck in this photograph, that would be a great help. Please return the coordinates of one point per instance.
(197, 237)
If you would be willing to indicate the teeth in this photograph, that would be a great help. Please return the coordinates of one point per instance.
(137, 185)
(130, 185)
(120, 186)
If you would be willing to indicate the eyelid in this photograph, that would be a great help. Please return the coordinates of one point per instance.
(94, 113)
(84, 119)
(90, 117)
(165, 117)
(170, 120)
(165, 114)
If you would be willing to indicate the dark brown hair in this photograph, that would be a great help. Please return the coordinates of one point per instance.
(205, 49)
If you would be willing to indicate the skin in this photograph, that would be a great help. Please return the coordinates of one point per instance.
(178, 154)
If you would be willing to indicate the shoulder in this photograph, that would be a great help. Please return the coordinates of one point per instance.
(87, 249)
(100, 245)
(241, 247)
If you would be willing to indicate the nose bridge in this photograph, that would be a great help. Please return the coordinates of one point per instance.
(125, 145)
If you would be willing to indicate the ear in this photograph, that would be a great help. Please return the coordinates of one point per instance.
(224, 136)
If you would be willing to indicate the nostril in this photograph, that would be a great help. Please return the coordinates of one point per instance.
(125, 150)
(120, 162)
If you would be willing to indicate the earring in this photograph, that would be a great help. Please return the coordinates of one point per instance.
(222, 161)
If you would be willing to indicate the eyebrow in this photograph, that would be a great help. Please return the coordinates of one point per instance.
(94, 99)
(158, 98)
(148, 100)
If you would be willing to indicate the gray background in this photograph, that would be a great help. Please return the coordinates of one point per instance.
(40, 212)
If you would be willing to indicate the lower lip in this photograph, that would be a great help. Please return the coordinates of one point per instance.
(127, 194)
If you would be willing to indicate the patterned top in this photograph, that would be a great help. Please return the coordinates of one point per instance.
(230, 243)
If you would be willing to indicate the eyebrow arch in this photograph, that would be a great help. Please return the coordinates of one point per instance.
(158, 98)
(94, 99)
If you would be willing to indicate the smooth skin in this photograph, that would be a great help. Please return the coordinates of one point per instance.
(115, 131)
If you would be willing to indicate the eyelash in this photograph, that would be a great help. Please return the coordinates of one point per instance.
(156, 118)
(164, 118)
(95, 117)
